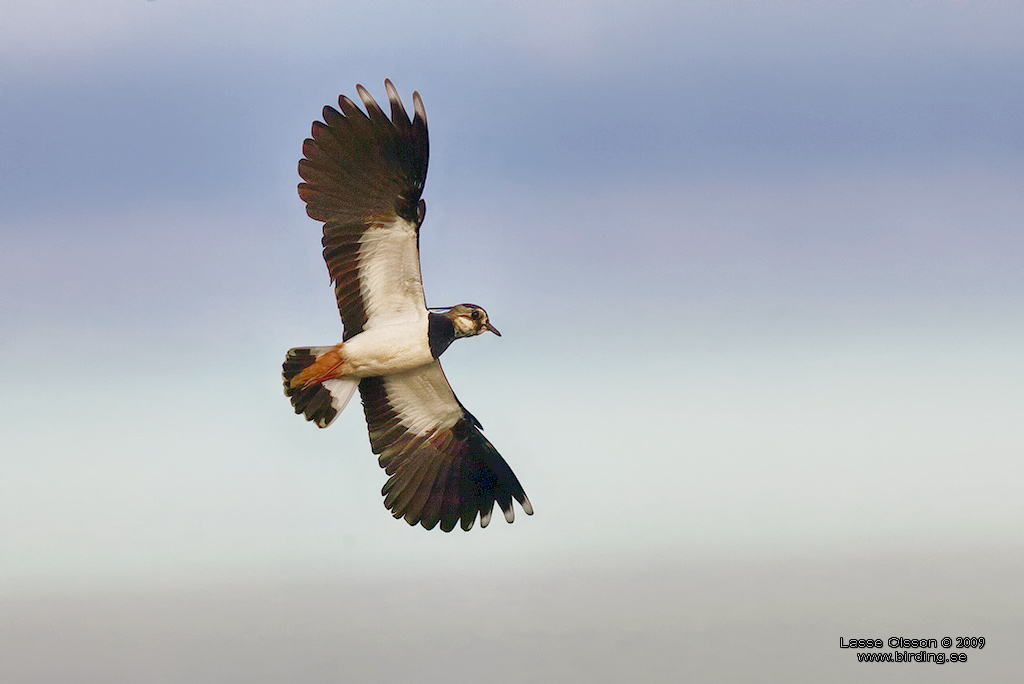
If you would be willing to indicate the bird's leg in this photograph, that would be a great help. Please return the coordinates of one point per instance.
(329, 364)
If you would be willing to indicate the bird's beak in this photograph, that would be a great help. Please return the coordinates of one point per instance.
(490, 327)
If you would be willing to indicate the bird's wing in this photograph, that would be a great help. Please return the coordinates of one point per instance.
(442, 468)
(364, 175)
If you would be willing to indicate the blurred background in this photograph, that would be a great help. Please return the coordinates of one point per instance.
(758, 270)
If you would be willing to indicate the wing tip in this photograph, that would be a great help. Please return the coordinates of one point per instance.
(373, 109)
(449, 522)
(418, 108)
(527, 506)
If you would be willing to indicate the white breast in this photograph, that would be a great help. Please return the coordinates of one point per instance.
(388, 349)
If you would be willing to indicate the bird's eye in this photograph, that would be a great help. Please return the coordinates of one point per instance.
(475, 315)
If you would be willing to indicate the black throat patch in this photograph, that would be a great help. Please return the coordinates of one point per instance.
(440, 333)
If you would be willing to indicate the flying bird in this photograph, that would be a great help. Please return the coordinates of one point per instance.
(364, 175)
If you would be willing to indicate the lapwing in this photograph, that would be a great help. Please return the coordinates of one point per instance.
(364, 175)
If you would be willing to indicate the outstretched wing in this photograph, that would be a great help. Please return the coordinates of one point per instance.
(364, 175)
(442, 467)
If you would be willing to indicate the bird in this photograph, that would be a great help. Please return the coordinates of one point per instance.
(363, 176)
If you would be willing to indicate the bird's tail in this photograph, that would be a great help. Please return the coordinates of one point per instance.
(320, 402)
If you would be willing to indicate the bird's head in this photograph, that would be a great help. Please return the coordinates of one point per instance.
(469, 320)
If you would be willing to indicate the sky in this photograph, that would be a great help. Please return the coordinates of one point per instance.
(757, 271)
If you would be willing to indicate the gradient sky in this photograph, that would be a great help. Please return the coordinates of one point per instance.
(757, 267)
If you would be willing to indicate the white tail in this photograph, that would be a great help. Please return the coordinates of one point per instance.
(320, 402)
(341, 390)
